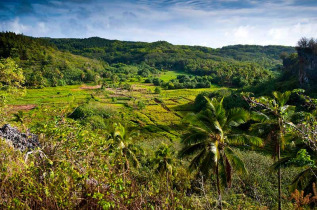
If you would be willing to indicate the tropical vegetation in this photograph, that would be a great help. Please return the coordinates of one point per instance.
(132, 125)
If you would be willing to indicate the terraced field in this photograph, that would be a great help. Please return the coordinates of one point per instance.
(159, 115)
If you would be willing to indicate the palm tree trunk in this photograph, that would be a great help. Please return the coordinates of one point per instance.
(279, 178)
(167, 190)
(167, 195)
(218, 187)
(123, 172)
(279, 169)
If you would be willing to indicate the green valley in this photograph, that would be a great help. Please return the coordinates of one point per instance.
(136, 125)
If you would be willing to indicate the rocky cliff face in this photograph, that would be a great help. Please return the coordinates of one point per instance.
(307, 65)
(20, 141)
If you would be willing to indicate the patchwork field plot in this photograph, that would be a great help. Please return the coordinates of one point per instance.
(139, 106)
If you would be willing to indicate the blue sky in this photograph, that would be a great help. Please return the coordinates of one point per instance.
(212, 23)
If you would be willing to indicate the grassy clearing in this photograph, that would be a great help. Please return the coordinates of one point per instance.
(167, 76)
(52, 95)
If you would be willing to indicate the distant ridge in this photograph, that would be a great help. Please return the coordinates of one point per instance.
(137, 52)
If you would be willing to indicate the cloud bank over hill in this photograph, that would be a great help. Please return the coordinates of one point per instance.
(213, 23)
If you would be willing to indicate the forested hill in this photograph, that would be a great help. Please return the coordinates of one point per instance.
(165, 55)
(44, 65)
(55, 62)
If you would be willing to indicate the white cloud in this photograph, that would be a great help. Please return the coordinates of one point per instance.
(41, 26)
(242, 32)
(14, 25)
(293, 33)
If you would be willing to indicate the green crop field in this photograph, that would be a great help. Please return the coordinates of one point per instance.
(167, 76)
(50, 95)
(159, 110)
(78, 93)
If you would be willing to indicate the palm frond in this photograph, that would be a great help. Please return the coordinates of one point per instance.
(244, 139)
(282, 163)
(194, 137)
(237, 116)
(282, 98)
(259, 116)
(196, 161)
(207, 163)
(235, 161)
(303, 179)
(219, 128)
(195, 120)
(210, 104)
(191, 149)
(228, 171)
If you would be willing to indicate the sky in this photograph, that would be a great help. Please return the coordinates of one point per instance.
(212, 23)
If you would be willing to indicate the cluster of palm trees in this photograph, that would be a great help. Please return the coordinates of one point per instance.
(274, 121)
(214, 131)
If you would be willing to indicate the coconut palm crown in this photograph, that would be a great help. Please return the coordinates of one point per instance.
(211, 133)
(122, 145)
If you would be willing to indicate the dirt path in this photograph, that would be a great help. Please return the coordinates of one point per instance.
(15, 108)
(85, 87)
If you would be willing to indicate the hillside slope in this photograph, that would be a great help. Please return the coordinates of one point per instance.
(166, 55)
(44, 64)
(54, 62)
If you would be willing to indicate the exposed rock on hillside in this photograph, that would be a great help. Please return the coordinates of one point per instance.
(20, 141)
(308, 65)
(307, 57)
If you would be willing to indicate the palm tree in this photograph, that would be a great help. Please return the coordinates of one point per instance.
(211, 133)
(271, 123)
(302, 152)
(123, 147)
(164, 162)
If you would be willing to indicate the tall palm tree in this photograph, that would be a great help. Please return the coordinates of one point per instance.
(122, 146)
(303, 154)
(211, 133)
(271, 116)
(164, 161)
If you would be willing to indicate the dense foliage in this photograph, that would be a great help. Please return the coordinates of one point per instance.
(238, 65)
(44, 65)
(165, 55)
(240, 75)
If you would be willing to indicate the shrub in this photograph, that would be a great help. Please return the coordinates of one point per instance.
(96, 122)
(89, 110)
(141, 105)
(148, 80)
(157, 90)
(157, 82)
